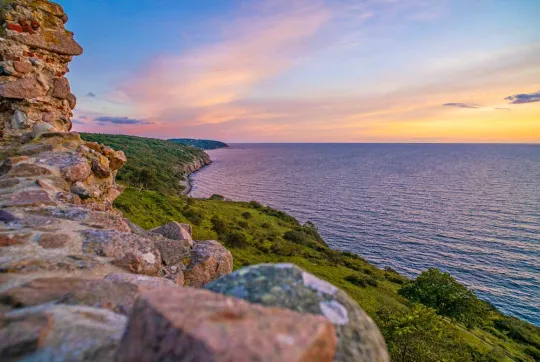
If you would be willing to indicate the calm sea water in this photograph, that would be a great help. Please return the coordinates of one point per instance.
(470, 210)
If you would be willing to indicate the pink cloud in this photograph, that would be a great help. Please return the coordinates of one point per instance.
(254, 48)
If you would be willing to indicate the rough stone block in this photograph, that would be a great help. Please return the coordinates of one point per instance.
(209, 260)
(186, 324)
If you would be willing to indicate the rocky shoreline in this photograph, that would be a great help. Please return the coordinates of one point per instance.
(187, 182)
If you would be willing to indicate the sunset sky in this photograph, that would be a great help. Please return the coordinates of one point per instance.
(309, 70)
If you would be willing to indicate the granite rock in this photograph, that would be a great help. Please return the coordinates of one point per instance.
(208, 260)
(186, 324)
(60, 333)
(288, 286)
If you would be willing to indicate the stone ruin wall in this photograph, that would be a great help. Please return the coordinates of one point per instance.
(36, 107)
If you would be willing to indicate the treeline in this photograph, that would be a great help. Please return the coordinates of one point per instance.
(202, 144)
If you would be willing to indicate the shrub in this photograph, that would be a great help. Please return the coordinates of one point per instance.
(449, 298)
(195, 216)
(519, 330)
(256, 205)
(247, 215)
(395, 278)
(419, 334)
(243, 224)
(280, 215)
(217, 197)
(284, 249)
(372, 281)
(218, 225)
(235, 239)
(356, 280)
(266, 225)
(390, 270)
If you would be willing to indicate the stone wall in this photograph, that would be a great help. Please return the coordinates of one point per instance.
(78, 282)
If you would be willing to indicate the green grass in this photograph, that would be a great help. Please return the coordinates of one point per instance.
(152, 163)
(266, 240)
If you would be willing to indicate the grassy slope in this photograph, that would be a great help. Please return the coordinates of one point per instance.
(152, 163)
(264, 231)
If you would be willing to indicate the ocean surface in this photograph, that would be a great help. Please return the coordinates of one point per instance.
(470, 210)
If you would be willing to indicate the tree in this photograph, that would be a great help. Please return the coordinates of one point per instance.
(442, 292)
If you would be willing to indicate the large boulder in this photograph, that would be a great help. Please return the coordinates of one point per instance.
(186, 324)
(209, 260)
(288, 286)
(60, 333)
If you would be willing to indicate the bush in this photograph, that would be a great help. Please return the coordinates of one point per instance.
(255, 205)
(235, 239)
(356, 280)
(243, 224)
(449, 298)
(395, 278)
(218, 225)
(217, 197)
(284, 249)
(519, 330)
(247, 215)
(372, 281)
(266, 225)
(193, 215)
(420, 335)
(280, 215)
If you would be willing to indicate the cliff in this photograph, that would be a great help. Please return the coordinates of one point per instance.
(81, 283)
(153, 163)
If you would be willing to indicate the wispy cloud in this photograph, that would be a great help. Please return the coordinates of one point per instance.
(461, 105)
(524, 98)
(259, 44)
(91, 95)
(120, 120)
(76, 121)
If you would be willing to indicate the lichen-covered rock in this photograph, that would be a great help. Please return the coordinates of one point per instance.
(118, 297)
(288, 286)
(60, 333)
(131, 252)
(197, 325)
(208, 260)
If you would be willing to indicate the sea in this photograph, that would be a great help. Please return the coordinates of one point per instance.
(472, 210)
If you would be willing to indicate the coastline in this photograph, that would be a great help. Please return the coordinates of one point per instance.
(187, 183)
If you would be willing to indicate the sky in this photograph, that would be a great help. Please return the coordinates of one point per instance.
(308, 70)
